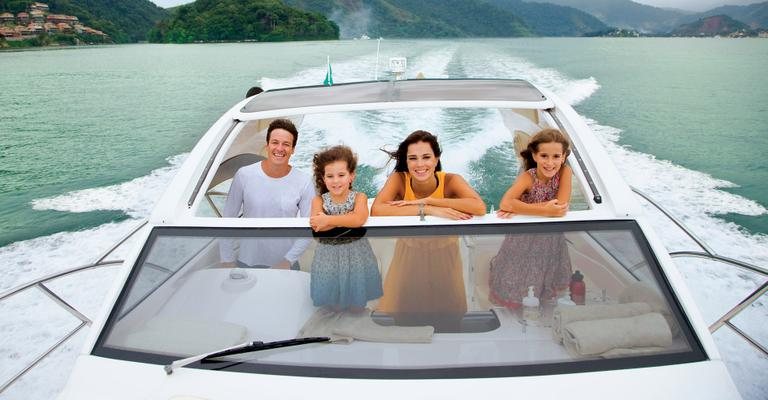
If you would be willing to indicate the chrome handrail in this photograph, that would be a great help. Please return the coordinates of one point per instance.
(725, 319)
(40, 283)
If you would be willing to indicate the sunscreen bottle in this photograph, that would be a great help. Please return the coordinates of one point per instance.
(531, 307)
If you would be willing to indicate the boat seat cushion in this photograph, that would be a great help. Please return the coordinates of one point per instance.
(172, 336)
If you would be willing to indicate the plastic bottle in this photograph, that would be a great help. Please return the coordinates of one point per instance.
(531, 307)
(578, 288)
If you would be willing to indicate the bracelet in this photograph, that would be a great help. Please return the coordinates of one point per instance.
(421, 211)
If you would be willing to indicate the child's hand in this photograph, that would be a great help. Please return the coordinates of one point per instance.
(320, 222)
(554, 208)
(504, 214)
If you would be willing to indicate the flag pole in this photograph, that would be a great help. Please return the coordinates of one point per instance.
(376, 73)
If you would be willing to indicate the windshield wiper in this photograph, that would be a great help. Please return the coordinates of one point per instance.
(243, 348)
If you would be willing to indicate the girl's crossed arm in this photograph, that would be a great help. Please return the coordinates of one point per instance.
(511, 202)
(320, 221)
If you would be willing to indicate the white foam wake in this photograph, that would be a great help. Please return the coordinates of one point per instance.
(136, 197)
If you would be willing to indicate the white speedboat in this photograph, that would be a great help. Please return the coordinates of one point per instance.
(637, 334)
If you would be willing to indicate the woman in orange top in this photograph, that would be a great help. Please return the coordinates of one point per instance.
(424, 283)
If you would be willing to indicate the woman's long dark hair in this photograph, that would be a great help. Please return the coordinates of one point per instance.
(401, 154)
(548, 135)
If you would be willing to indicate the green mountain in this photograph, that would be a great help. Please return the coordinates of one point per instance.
(123, 20)
(628, 14)
(417, 18)
(721, 25)
(550, 19)
(754, 15)
(229, 20)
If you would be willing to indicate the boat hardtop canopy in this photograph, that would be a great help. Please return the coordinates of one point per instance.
(402, 92)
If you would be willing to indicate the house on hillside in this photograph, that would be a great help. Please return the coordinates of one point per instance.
(62, 19)
(7, 18)
(39, 7)
(22, 18)
(37, 16)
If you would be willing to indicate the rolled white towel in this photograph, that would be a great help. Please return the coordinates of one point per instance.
(596, 337)
(362, 327)
(563, 315)
(344, 327)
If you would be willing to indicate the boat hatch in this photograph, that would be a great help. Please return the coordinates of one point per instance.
(179, 302)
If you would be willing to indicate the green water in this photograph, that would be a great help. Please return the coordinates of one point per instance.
(73, 119)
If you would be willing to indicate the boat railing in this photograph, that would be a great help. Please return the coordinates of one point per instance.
(709, 254)
(41, 284)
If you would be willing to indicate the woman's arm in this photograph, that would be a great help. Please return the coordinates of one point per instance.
(393, 190)
(459, 196)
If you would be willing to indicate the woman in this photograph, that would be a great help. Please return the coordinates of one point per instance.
(425, 284)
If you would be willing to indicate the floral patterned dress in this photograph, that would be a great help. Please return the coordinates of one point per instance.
(538, 260)
(344, 271)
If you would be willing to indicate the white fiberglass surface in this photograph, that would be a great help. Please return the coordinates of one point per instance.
(425, 299)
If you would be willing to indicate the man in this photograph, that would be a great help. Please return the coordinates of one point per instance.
(268, 189)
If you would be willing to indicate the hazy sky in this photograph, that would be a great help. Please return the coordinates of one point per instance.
(694, 5)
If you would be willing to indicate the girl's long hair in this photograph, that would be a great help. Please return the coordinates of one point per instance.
(333, 154)
(548, 135)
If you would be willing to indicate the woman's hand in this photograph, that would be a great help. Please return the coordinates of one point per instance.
(320, 222)
(554, 208)
(400, 203)
(446, 212)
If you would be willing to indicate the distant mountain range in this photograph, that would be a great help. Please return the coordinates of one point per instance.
(717, 25)
(417, 18)
(213, 20)
(754, 15)
(647, 19)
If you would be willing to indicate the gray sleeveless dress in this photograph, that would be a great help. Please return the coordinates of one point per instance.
(344, 271)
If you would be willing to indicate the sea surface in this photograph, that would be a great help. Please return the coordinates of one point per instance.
(89, 138)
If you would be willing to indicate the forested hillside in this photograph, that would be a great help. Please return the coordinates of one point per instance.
(123, 20)
(418, 18)
(627, 14)
(718, 25)
(754, 15)
(230, 20)
(550, 19)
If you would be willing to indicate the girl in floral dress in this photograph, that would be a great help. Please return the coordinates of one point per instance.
(345, 274)
(538, 260)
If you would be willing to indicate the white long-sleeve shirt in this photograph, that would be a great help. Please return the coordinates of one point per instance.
(261, 196)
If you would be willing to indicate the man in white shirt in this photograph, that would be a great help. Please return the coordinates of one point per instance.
(267, 189)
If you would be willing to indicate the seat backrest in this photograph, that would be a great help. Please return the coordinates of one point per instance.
(229, 167)
(520, 141)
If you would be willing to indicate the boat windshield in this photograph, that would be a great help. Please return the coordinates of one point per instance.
(404, 302)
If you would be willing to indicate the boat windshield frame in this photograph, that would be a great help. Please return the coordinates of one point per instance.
(694, 353)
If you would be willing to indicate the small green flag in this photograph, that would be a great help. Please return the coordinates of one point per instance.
(328, 75)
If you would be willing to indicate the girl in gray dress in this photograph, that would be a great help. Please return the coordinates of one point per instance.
(345, 273)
